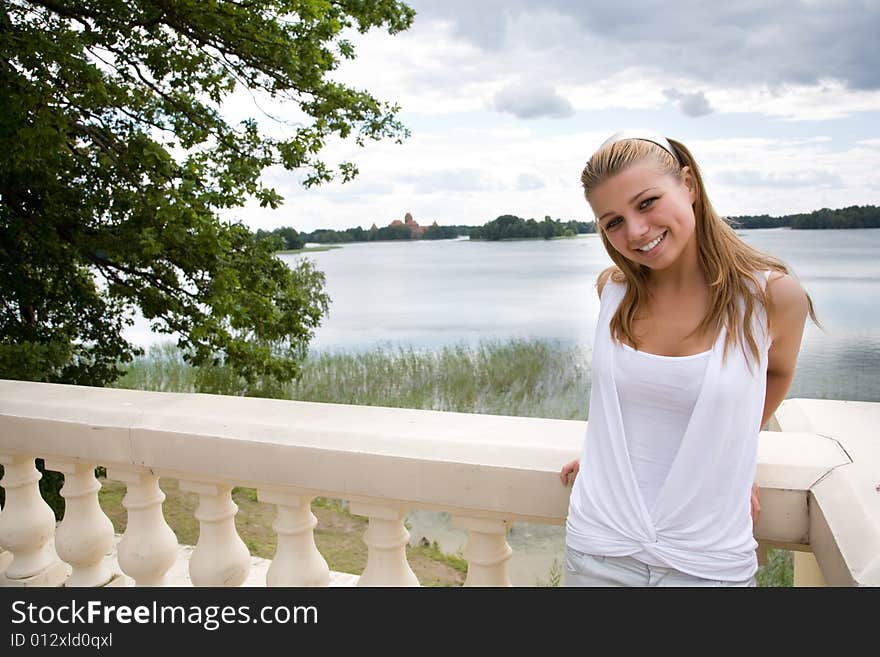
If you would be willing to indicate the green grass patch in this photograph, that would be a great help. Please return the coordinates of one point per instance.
(779, 569)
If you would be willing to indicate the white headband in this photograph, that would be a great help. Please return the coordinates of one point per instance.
(643, 135)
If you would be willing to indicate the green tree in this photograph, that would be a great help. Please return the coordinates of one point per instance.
(392, 233)
(291, 237)
(440, 233)
(117, 159)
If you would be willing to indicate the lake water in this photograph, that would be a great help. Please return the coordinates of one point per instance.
(428, 294)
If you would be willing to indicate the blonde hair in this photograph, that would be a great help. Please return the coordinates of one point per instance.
(730, 266)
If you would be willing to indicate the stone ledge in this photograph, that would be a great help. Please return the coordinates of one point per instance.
(178, 575)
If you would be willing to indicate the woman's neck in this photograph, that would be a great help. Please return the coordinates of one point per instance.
(681, 276)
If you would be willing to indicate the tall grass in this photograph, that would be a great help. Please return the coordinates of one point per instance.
(535, 378)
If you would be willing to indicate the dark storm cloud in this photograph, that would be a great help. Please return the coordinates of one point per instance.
(734, 43)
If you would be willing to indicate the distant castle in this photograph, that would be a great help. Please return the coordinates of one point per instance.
(408, 222)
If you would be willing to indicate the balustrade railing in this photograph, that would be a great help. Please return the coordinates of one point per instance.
(817, 479)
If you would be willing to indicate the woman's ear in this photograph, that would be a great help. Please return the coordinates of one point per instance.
(687, 177)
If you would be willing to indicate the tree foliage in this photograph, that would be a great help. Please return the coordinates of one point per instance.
(118, 161)
(287, 236)
(291, 239)
(854, 216)
(436, 232)
(509, 226)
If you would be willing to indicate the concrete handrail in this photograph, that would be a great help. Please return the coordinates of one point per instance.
(812, 476)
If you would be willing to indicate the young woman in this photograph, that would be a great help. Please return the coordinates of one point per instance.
(695, 348)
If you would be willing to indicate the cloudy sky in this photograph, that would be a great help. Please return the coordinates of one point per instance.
(506, 99)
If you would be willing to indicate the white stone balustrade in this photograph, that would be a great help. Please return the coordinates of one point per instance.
(297, 561)
(818, 478)
(27, 526)
(487, 551)
(85, 536)
(386, 538)
(5, 559)
(220, 558)
(148, 546)
(843, 509)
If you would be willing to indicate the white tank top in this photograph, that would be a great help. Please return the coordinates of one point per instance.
(657, 397)
(700, 519)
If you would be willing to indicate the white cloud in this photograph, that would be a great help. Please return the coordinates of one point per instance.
(526, 173)
(828, 100)
(739, 42)
(507, 101)
(780, 180)
(527, 181)
(532, 100)
(447, 180)
(692, 104)
(796, 165)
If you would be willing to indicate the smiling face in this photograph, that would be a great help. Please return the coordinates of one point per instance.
(647, 215)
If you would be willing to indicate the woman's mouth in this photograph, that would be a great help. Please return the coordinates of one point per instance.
(650, 246)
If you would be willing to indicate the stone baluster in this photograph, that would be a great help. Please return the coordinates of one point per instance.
(5, 560)
(27, 527)
(220, 557)
(148, 547)
(297, 561)
(85, 536)
(486, 551)
(5, 555)
(386, 538)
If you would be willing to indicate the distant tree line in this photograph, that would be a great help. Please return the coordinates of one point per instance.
(759, 221)
(854, 216)
(510, 226)
(288, 238)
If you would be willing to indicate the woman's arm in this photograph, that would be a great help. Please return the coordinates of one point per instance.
(788, 307)
(787, 312)
(570, 470)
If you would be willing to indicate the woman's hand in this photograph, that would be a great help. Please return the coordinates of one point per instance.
(756, 505)
(569, 470)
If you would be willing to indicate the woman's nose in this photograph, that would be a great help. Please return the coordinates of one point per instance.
(636, 227)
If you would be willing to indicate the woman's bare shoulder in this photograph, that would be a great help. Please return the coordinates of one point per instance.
(788, 304)
(784, 290)
(612, 273)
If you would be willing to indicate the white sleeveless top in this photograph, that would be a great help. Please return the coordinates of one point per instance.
(700, 519)
(657, 397)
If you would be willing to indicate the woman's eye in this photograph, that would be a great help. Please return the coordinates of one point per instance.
(647, 203)
(613, 223)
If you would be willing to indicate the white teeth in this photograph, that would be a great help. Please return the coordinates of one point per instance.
(650, 245)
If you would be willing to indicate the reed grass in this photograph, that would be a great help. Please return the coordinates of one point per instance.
(534, 378)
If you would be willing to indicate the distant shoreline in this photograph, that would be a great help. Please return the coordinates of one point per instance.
(339, 245)
(325, 247)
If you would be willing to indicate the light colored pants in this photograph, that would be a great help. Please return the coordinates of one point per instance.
(590, 570)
